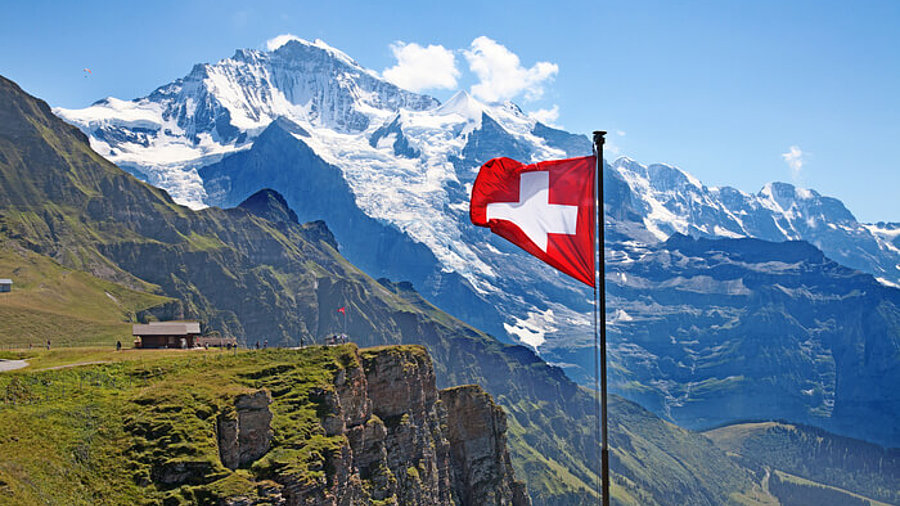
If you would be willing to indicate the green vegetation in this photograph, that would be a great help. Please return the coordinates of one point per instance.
(795, 491)
(67, 306)
(815, 455)
(143, 430)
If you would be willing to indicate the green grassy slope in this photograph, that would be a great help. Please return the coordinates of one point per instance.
(67, 306)
(796, 491)
(817, 455)
(104, 434)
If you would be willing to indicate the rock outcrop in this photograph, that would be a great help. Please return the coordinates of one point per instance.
(476, 430)
(401, 387)
(404, 444)
(245, 434)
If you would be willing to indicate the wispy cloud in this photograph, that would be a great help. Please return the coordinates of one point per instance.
(421, 68)
(501, 74)
(795, 159)
(276, 42)
(546, 116)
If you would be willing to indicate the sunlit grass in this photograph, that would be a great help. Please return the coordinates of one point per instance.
(98, 434)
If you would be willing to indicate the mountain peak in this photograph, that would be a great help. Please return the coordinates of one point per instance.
(295, 46)
(462, 104)
(269, 204)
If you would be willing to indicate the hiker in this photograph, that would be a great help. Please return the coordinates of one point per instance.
(118, 345)
(265, 344)
(48, 344)
(257, 344)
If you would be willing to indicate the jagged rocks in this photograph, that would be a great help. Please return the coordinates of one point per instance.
(245, 434)
(476, 430)
(399, 437)
(401, 386)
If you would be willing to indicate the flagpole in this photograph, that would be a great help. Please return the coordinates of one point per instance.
(600, 321)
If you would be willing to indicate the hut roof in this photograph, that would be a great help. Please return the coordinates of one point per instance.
(166, 329)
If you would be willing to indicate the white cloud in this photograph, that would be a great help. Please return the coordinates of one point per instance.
(620, 133)
(420, 68)
(501, 74)
(546, 116)
(795, 160)
(611, 148)
(276, 42)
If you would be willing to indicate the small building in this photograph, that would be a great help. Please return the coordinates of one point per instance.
(6, 285)
(180, 334)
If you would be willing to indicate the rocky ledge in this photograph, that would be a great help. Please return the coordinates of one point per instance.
(401, 441)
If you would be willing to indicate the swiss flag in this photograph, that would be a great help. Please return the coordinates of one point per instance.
(546, 208)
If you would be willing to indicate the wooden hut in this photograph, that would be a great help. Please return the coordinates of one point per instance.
(178, 334)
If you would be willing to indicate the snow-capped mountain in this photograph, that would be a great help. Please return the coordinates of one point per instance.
(217, 109)
(669, 200)
(390, 171)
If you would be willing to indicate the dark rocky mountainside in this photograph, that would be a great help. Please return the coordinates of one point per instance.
(270, 205)
(744, 329)
(317, 190)
(256, 279)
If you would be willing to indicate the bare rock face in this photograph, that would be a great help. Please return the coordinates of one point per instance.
(245, 434)
(476, 430)
(401, 386)
(403, 443)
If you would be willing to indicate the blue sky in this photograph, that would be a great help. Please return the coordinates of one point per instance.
(722, 89)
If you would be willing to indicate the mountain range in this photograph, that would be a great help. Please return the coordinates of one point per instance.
(693, 323)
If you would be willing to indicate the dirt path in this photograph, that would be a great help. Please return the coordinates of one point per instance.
(76, 364)
(12, 365)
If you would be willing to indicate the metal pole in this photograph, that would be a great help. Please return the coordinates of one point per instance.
(600, 319)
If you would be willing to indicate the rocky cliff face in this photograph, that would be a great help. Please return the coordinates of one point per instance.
(476, 428)
(404, 442)
(245, 434)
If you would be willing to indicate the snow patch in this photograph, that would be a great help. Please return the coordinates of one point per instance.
(887, 282)
(532, 329)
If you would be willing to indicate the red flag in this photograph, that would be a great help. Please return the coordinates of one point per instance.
(343, 309)
(546, 208)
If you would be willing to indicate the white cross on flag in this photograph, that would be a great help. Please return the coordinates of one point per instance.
(546, 208)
